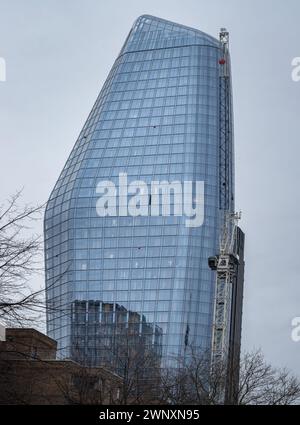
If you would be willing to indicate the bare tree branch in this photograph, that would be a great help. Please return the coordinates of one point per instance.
(20, 254)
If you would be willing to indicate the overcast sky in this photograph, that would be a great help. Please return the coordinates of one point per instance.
(58, 54)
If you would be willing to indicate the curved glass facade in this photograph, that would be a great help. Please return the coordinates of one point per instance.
(156, 118)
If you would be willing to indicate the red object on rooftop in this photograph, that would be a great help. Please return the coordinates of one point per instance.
(222, 61)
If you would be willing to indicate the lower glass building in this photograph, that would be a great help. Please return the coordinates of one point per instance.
(157, 118)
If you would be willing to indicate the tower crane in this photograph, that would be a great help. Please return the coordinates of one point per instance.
(225, 265)
(226, 262)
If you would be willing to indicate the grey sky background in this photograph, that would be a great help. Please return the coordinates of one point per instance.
(58, 54)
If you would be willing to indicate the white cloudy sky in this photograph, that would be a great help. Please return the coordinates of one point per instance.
(58, 54)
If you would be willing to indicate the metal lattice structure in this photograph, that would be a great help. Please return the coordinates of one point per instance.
(225, 126)
(225, 265)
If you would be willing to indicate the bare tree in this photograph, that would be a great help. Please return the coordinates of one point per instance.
(84, 385)
(193, 381)
(263, 384)
(138, 364)
(19, 255)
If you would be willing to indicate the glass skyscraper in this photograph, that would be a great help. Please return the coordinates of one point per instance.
(157, 118)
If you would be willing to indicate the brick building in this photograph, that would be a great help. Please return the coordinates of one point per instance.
(30, 373)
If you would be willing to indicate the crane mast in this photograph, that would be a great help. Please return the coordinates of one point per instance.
(225, 263)
(225, 126)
